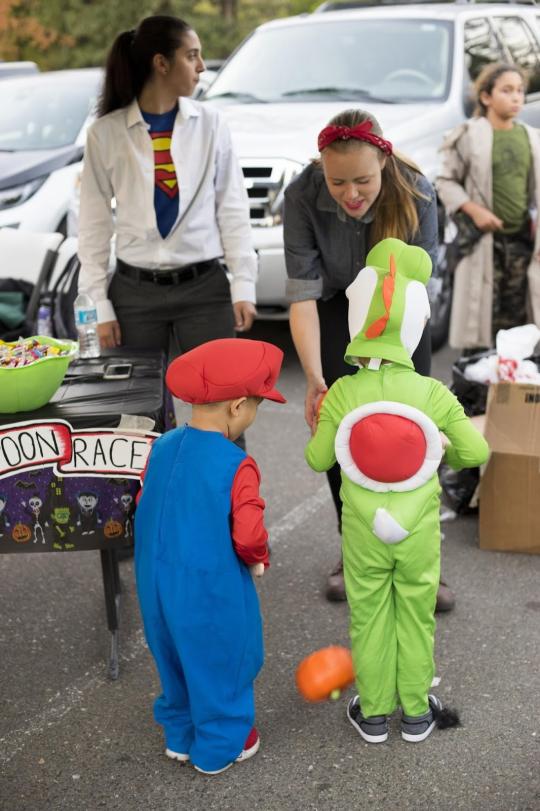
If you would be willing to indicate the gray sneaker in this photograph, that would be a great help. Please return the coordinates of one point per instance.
(415, 728)
(373, 729)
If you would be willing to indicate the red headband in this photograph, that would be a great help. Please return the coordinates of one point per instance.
(362, 132)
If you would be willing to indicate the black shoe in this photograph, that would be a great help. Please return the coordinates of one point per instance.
(335, 584)
(446, 599)
(373, 729)
(416, 728)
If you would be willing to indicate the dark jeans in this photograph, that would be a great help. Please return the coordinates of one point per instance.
(333, 317)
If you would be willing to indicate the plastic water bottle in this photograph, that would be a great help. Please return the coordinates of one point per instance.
(44, 319)
(86, 323)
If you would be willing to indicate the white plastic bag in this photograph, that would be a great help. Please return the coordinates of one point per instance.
(485, 370)
(508, 364)
(513, 345)
(517, 343)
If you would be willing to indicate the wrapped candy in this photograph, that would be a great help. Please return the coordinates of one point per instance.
(26, 351)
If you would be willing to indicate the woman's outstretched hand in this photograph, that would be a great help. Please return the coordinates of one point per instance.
(315, 391)
(109, 334)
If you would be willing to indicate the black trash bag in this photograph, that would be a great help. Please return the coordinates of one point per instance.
(459, 487)
(9, 331)
(471, 395)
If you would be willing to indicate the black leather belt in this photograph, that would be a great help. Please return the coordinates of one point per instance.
(174, 276)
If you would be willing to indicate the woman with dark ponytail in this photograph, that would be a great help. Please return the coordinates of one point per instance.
(358, 192)
(180, 201)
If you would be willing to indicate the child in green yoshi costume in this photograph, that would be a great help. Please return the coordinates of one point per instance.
(389, 428)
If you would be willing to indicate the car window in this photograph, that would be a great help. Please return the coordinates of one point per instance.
(389, 59)
(44, 113)
(522, 47)
(481, 46)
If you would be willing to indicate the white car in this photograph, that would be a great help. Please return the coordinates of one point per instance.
(42, 134)
(9, 69)
(410, 65)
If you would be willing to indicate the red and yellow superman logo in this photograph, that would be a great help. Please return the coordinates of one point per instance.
(165, 172)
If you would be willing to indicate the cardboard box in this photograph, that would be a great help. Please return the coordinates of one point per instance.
(510, 486)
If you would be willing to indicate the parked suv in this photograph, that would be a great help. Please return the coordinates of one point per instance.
(410, 65)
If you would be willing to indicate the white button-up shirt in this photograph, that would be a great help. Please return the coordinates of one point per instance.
(213, 217)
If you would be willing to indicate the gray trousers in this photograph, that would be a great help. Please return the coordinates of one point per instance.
(174, 318)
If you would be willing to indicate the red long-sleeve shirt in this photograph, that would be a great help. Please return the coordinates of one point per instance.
(247, 513)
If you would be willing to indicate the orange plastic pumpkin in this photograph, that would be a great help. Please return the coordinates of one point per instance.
(323, 672)
(21, 533)
(113, 529)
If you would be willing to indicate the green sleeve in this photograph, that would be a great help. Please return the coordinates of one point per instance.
(467, 448)
(320, 451)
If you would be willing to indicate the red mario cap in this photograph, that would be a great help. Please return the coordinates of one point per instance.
(226, 369)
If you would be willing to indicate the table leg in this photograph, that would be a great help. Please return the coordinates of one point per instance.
(111, 587)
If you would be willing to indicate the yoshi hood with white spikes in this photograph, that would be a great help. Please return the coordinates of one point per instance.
(388, 303)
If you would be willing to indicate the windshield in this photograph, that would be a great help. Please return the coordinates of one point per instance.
(386, 59)
(45, 112)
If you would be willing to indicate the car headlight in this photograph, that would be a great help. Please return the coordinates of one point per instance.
(20, 194)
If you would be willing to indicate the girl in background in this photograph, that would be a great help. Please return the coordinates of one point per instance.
(491, 171)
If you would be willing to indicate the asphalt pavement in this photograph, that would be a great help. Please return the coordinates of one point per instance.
(72, 739)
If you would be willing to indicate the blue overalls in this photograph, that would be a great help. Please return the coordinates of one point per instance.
(199, 606)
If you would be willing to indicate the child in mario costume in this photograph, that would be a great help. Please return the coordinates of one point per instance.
(200, 537)
(383, 426)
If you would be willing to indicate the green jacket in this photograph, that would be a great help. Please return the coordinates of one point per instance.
(393, 382)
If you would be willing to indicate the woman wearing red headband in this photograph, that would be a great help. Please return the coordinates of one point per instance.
(359, 192)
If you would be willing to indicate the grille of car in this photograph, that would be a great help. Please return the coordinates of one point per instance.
(265, 183)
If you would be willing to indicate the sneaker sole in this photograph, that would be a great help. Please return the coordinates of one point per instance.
(244, 755)
(247, 753)
(364, 735)
(181, 758)
(217, 771)
(417, 738)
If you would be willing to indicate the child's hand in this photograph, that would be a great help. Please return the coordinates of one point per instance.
(444, 440)
(257, 570)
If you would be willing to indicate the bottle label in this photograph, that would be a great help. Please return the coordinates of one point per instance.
(85, 317)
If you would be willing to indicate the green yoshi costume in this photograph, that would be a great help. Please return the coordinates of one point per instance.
(382, 425)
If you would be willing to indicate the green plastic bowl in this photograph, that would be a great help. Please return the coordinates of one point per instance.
(29, 387)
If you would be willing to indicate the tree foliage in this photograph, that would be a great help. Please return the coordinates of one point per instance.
(77, 33)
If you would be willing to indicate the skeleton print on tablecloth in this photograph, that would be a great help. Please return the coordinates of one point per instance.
(127, 506)
(34, 509)
(5, 523)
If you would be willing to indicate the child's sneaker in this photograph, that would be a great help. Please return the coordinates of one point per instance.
(251, 747)
(177, 756)
(373, 729)
(415, 728)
